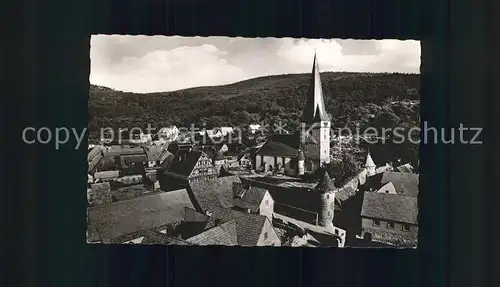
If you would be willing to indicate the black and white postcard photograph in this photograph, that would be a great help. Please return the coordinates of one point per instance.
(253, 141)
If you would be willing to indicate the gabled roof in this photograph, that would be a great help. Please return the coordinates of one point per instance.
(249, 198)
(223, 234)
(151, 237)
(154, 153)
(315, 109)
(281, 145)
(390, 207)
(187, 165)
(301, 198)
(249, 228)
(167, 162)
(214, 194)
(145, 212)
(405, 183)
(407, 168)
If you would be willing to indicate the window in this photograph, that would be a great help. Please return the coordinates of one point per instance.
(406, 227)
(266, 202)
(376, 222)
(265, 235)
(390, 225)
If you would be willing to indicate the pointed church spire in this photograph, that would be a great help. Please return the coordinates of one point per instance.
(369, 161)
(315, 108)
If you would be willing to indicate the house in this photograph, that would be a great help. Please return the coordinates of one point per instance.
(210, 196)
(389, 208)
(147, 237)
(405, 184)
(298, 233)
(223, 234)
(241, 229)
(108, 223)
(156, 155)
(218, 161)
(253, 199)
(311, 144)
(315, 206)
(221, 147)
(196, 166)
(214, 220)
(168, 133)
(390, 219)
(245, 160)
(254, 128)
(107, 175)
(408, 168)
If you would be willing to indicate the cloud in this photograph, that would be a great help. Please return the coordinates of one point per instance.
(153, 64)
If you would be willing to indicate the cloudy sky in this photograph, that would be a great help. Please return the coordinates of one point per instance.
(145, 64)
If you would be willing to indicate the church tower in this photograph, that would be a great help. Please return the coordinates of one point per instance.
(326, 190)
(315, 131)
(370, 165)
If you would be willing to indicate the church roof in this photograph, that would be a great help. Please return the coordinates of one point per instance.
(315, 108)
(280, 145)
(325, 184)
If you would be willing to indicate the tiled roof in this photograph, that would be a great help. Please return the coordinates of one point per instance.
(345, 193)
(296, 197)
(154, 153)
(215, 193)
(281, 145)
(95, 158)
(249, 228)
(405, 183)
(390, 207)
(223, 234)
(145, 212)
(187, 165)
(100, 193)
(97, 150)
(130, 192)
(135, 158)
(151, 237)
(107, 174)
(407, 168)
(250, 198)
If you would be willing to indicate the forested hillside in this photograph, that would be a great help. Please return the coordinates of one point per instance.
(351, 98)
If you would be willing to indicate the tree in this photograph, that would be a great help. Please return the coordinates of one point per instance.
(343, 170)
